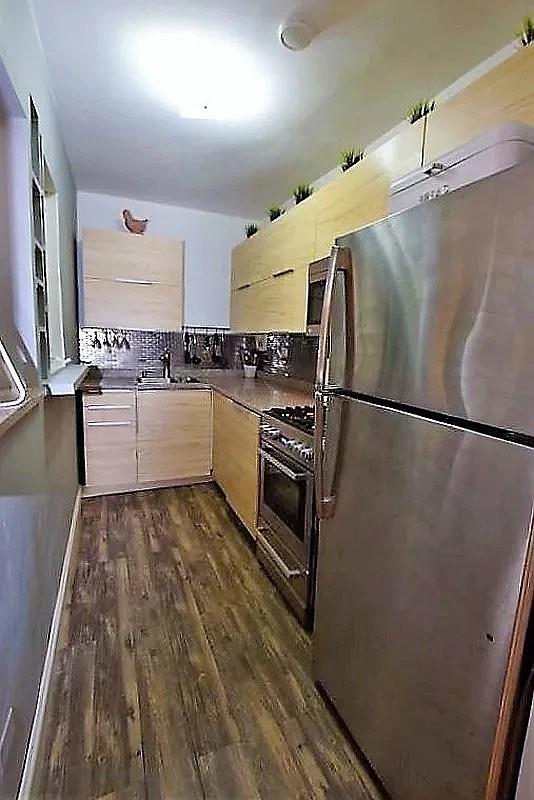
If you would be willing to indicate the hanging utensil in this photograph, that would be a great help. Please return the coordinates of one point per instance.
(187, 345)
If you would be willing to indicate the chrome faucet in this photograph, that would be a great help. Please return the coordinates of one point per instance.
(165, 359)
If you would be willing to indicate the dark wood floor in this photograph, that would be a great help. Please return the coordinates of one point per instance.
(180, 673)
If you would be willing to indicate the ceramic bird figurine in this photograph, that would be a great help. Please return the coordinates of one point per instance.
(132, 224)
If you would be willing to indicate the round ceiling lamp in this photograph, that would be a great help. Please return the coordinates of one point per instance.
(296, 35)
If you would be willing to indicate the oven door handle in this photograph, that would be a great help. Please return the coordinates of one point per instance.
(287, 572)
(295, 476)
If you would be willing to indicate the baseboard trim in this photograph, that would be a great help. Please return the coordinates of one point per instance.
(126, 488)
(30, 761)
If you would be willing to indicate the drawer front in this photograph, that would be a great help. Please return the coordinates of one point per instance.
(166, 461)
(114, 398)
(171, 415)
(107, 466)
(111, 434)
(109, 407)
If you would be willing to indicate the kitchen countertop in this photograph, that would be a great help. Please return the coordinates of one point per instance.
(257, 394)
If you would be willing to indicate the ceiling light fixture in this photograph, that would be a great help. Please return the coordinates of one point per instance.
(201, 77)
(295, 34)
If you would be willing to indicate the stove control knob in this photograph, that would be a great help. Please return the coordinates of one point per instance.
(307, 452)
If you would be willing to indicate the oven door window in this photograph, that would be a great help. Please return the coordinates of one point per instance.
(286, 498)
(316, 291)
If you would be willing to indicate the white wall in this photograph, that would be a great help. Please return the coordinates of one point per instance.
(23, 59)
(38, 477)
(209, 239)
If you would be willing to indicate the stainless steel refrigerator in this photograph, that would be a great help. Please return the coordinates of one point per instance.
(424, 487)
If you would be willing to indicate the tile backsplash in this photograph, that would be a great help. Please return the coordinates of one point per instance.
(283, 354)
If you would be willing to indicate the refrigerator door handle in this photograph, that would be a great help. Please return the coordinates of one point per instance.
(328, 458)
(339, 261)
(324, 505)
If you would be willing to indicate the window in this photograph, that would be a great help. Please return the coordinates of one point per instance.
(56, 341)
(46, 258)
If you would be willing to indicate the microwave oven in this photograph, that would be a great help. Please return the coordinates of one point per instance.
(318, 272)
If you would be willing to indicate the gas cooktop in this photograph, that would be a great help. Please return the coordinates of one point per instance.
(300, 417)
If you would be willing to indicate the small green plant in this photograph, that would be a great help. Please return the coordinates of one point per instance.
(350, 157)
(526, 34)
(274, 212)
(302, 191)
(420, 110)
(251, 229)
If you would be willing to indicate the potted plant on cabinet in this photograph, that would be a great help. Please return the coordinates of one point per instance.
(350, 157)
(251, 229)
(419, 110)
(526, 34)
(274, 212)
(301, 192)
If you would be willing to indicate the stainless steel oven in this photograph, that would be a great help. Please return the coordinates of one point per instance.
(317, 273)
(287, 530)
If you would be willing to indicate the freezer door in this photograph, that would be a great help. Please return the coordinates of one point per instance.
(419, 577)
(442, 305)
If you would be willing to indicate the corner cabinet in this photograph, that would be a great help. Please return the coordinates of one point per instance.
(174, 434)
(132, 281)
(140, 439)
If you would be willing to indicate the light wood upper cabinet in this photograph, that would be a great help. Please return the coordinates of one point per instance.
(360, 196)
(287, 242)
(174, 436)
(275, 304)
(114, 255)
(235, 458)
(132, 281)
(504, 94)
(262, 302)
(152, 306)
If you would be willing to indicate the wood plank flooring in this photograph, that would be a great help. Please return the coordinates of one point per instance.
(180, 673)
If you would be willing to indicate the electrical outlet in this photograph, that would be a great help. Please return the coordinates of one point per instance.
(6, 740)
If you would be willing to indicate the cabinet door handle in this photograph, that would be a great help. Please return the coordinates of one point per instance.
(244, 286)
(107, 424)
(283, 272)
(135, 281)
(105, 408)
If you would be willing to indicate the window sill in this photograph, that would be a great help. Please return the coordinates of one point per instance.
(65, 381)
(10, 416)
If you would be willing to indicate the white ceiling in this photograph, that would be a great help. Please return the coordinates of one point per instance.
(369, 62)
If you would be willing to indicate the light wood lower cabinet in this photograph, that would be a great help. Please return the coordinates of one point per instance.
(235, 458)
(110, 438)
(174, 437)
